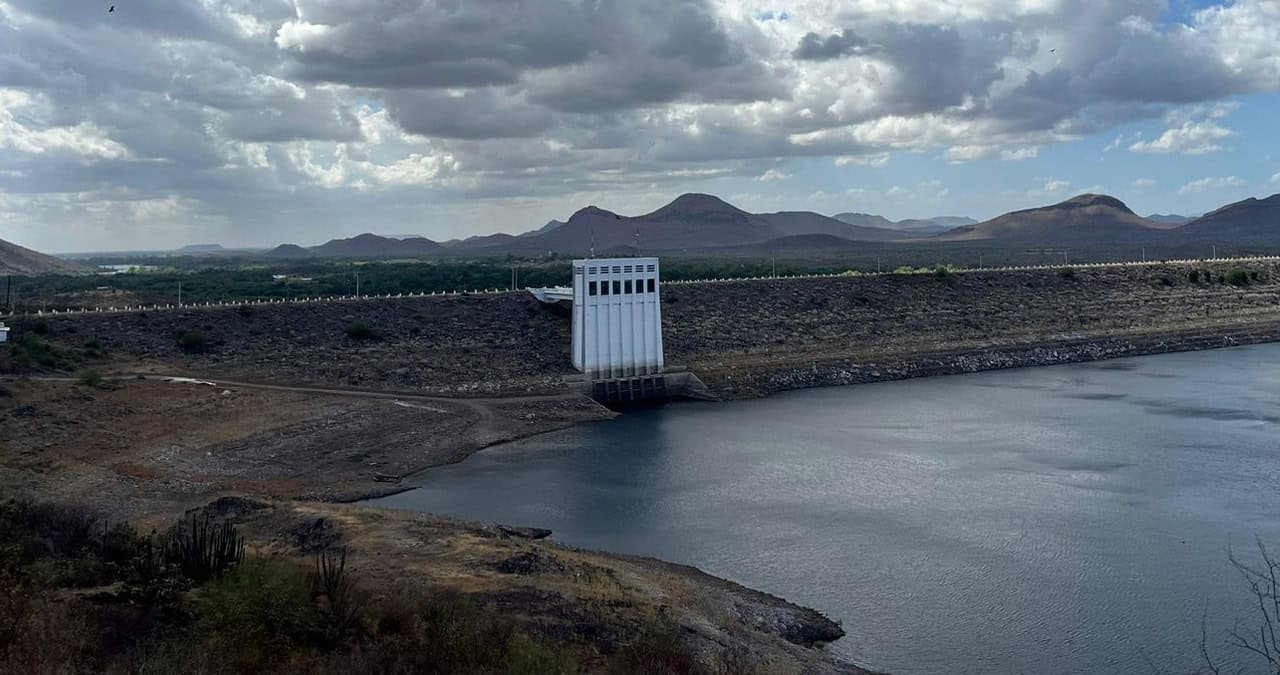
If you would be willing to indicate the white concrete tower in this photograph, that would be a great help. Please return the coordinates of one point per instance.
(617, 318)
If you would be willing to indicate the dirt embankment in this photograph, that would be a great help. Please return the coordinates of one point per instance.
(744, 338)
(137, 447)
(753, 338)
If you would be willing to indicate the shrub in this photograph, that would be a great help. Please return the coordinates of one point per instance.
(527, 657)
(1067, 272)
(1238, 277)
(202, 549)
(40, 327)
(61, 529)
(30, 352)
(91, 379)
(93, 349)
(1194, 276)
(191, 341)
(360, 331)
(658, 651)
(258, 614)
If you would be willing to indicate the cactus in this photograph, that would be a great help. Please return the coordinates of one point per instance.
(203, 549)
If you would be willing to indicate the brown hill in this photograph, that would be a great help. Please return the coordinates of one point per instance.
(913, 226)
(1252, 221)
(1170, 219)
(289, 251)
(1086, 218)
(374, 246)
(691, 221)
(15, 259)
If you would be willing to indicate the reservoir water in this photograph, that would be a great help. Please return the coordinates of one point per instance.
(1063, 519)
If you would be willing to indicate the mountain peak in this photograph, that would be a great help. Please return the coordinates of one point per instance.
(592, 211)
(695, 203)
(1086, 200)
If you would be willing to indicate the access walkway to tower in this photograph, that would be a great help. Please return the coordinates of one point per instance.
(617, 328)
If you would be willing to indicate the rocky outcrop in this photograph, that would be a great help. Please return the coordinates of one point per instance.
(764, 382)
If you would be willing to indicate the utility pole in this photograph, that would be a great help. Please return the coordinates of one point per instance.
(773, 268)
(979, 261)
(515, 277)
(1064, 256)
(877, 264)
(1215, 252)
(1144, 254)
(357, 283)
(179, 293)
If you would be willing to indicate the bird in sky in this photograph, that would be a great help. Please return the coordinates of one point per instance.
(111, 9)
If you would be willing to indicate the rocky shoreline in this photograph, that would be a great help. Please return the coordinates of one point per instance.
(764, 382)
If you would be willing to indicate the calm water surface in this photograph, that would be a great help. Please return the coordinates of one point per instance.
(1064, 519)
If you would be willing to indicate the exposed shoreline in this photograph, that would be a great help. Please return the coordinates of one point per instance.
(746, 384)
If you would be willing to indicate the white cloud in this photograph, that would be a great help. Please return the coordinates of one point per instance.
(1054, 186)
(385, 111)
(1275, 179)
(1192, 138)
(1245, 34)
(1029, 152)
(1143, 183)
(771, 175)
(1209, 184)
(874, 161)
(21, 130)
(957, 154)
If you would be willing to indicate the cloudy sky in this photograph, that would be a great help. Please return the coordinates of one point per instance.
(255, 122)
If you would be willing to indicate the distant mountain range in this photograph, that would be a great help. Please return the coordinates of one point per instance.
(700, 222)
(704, 222)
(1170, 219)
(1099, 220)
(691, 221)
(202, 248)
(914, 226)
(361, 246)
